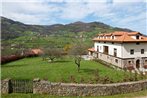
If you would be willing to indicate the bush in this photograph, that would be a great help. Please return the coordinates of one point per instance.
(145, 66)
(130, 68)
(6, 59)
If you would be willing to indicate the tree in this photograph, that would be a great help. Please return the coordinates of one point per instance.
(52, 54)
(77, 51)
(21, 49)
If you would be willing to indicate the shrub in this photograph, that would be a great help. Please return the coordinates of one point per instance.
(145, 66)
(10, 58)
(130, 68)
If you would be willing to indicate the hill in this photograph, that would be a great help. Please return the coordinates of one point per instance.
(17, 36)
(12, 29)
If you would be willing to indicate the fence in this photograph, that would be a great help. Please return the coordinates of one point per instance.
(17, 86)
(21, 86)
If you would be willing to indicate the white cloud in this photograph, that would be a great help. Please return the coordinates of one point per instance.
(29, 13)
(74, 11)
(55, 1)
(81, 10)
(119, 13)
(129, 1)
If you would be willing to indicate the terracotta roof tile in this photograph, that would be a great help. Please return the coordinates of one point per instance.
(123, 37)
(37, 51)
(91, 49)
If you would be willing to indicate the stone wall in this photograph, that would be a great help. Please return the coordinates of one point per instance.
(5, 86)
(69, 89)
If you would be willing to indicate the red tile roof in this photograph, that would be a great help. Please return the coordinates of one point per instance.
(37, 51)
(91, 49)
(122, 37)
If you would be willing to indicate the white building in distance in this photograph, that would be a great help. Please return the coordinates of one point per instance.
(122, 49)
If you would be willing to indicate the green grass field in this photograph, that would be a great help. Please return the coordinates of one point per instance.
(59, 71)
(140, 94)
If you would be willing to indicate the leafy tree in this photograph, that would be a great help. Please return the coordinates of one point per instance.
(67, 47)
(51, 54)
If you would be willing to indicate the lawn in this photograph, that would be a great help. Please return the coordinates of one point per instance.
(140, 94)
(63, 70)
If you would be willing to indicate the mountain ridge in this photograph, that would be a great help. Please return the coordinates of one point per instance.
(11, 29)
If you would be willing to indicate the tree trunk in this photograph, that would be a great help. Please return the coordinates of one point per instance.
(77, 62)
(78, 68)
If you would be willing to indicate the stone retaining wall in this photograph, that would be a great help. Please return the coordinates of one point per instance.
(5, 86)
(69, 89)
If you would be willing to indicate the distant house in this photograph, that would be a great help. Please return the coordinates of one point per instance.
(122, 49)
(34, 52)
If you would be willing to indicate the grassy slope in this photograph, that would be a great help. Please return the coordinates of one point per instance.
(36, 41)
(30, 68)
(129, 95)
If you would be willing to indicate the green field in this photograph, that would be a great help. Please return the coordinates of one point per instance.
(63, 70)
(140, 94)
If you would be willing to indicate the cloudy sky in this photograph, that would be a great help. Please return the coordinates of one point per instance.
(130, 14)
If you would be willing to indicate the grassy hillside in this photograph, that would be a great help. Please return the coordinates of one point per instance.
(16, 35)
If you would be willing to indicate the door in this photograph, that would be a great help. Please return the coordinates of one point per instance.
(97, 55)
(137, 64)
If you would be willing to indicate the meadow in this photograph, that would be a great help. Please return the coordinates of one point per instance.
(62, 70)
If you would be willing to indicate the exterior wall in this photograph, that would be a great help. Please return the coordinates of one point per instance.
(111, 48)
(137, 50)
(112, 60)
(122, 63)
(123, 54)
(69, 89)
(123, 50)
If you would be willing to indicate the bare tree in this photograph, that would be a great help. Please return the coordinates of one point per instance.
(77, 51)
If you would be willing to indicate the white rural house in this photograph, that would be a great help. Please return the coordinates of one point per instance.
(122, 49)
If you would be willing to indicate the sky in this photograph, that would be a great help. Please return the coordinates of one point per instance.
(131, 14)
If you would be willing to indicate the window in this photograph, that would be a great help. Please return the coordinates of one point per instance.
(132, 51)
(112, 37)
(137, 43)
(137, 36)
(116, 60)
(142, 51)
(129, 62)
(115, 52)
